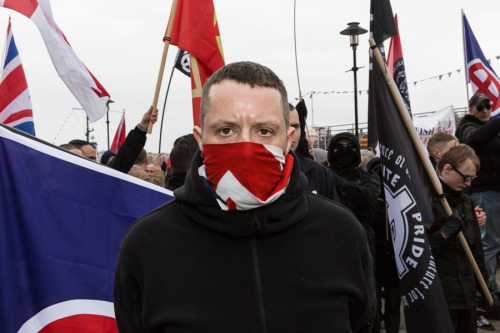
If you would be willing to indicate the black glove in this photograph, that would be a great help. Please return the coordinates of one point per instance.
(452, 224)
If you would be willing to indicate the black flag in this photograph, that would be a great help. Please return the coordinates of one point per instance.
(408, 192)
(382, 27)
(182, 62)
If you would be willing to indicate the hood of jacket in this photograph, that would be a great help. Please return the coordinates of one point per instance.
(349, 136)
(197, 202)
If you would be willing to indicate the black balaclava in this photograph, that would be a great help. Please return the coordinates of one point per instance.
(345, 157)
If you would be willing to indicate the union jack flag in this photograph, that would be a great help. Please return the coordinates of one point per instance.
(481, 76)
(15, 103)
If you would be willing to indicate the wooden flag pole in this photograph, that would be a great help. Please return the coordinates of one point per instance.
(427, 165)
(163, 60)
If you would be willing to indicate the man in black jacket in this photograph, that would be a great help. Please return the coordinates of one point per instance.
(320, 179)
(243, 248)
(482, 133)
(359, 188)
(133, 144)
(456, 169)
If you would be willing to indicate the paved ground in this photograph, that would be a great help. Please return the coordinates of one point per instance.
(494, 322)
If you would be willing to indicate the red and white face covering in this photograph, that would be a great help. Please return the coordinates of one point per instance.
(246, 175)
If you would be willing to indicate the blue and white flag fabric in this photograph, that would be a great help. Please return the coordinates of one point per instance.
(62, 219)
(480, 74)
(15, 102)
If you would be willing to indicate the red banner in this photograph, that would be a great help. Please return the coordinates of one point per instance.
(196, 31)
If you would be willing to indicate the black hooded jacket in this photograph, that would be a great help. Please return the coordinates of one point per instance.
(299, 264)
(484, 138)
(359, 188)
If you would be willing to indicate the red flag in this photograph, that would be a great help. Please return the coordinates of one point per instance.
(195, 30)
(119, 136)
(396, 65)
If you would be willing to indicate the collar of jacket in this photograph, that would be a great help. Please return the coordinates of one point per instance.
(452, 196)
(198, 204)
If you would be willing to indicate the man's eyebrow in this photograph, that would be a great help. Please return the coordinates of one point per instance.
(271, 124)
(221, 123)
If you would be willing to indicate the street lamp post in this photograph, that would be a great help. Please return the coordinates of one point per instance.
(354, 30)
(107, 117)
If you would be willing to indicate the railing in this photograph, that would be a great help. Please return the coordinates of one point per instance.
(326, 132)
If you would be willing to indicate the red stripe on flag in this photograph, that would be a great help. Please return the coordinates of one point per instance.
(18, 115)
(13, 85)
(25, 7)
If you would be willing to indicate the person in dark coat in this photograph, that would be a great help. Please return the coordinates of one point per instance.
(242, 247)
(181, 156)
(133, 144)
(482, 133)
(456, 169)
(320, 179)
(359, 188)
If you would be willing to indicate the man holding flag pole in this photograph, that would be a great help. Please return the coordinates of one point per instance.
(409, 208)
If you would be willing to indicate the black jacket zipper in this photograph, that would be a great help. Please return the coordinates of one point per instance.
(258, 281)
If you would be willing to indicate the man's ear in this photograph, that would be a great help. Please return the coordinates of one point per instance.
(436, 153)
(198, 135)
(290, 137)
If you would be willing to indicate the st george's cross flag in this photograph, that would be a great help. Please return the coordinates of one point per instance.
(62, 219)
(80, 81)
(120, 136)
(15, 103)
(480, 74)
(196, 30)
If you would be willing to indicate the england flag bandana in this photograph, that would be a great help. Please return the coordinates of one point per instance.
(245, 175)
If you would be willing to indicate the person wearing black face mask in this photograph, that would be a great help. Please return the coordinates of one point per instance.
(358, 189)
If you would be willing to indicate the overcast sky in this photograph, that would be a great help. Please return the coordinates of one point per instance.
(121, 43)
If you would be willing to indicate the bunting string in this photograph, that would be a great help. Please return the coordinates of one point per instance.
(414, 83)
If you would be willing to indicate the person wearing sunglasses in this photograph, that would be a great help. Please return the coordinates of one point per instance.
(482, 132)
(456, 170)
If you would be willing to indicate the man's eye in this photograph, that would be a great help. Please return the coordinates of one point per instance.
(264, 132)
(226, 131)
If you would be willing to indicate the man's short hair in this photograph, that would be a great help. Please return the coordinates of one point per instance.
(245, 72)
(80, 143)
(68, 146)
(458, 155)
(142, 157)
(437, 139)
(182, 153)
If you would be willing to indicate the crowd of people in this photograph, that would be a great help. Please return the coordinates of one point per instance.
(263, 236)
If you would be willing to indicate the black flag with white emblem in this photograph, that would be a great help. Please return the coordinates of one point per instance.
(182, 62)
(408, 192)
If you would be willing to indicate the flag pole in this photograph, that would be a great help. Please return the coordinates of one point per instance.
(164, 105)
(163, 59)
(298, 79)
(466, 73)
(4, 48)
(427, 165)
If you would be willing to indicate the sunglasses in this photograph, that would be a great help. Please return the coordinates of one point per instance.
(343, 145)
(480, 108)
(465, 178)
